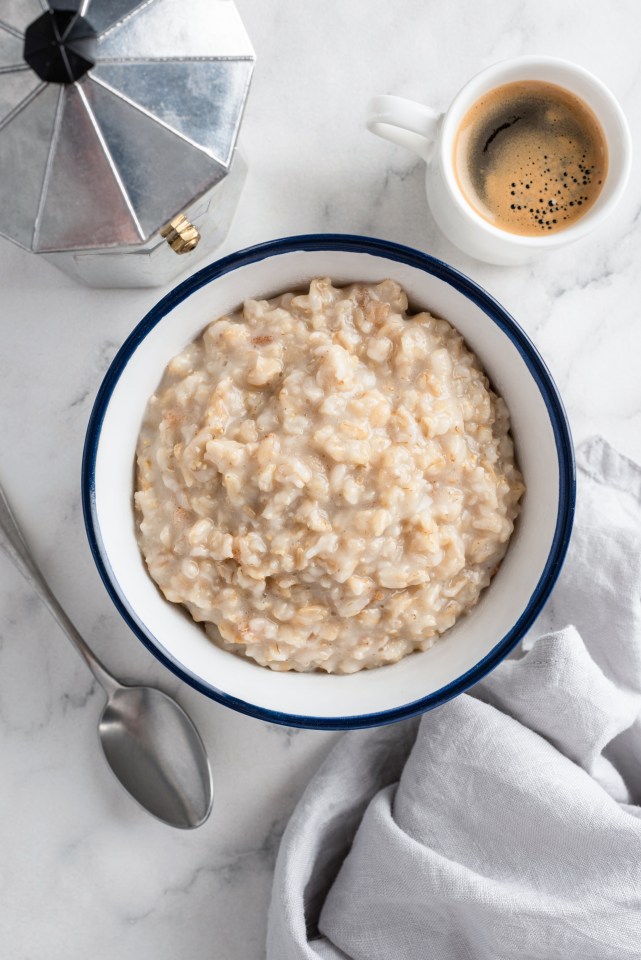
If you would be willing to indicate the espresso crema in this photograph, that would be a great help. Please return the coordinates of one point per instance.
(530, 157)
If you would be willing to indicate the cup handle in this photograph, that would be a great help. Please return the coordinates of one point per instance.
(406, 122)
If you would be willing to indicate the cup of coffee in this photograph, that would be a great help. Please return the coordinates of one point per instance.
(533, 153)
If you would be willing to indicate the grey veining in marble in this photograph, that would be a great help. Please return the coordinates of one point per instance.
(68, 834)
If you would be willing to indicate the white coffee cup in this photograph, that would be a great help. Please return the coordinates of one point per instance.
(431, 135)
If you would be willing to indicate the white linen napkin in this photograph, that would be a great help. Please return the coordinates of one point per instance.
(504, 824)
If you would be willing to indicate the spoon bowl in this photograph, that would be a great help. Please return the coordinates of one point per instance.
(157, 754)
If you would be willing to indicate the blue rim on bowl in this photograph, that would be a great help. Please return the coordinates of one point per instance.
(538, 370)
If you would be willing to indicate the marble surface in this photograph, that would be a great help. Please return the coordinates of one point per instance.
(83, 871)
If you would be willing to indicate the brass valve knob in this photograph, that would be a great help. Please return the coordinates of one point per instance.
(181, 235)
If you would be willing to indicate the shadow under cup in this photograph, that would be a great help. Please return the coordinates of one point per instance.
(479, 640)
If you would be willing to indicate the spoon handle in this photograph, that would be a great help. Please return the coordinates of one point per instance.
(14, 545)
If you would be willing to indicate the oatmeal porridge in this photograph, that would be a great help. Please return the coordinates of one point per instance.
(325, 481)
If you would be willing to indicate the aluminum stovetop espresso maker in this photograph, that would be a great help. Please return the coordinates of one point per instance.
(118, 129)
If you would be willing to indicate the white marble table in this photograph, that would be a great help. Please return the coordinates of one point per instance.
(84, 872)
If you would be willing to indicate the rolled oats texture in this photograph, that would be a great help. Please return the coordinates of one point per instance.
(325, 481)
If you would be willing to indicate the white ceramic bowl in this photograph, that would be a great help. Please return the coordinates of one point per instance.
(478, 641)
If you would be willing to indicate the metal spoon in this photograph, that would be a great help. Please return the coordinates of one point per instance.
(149, 741)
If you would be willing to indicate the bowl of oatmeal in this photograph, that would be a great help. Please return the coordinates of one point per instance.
(329, 481)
